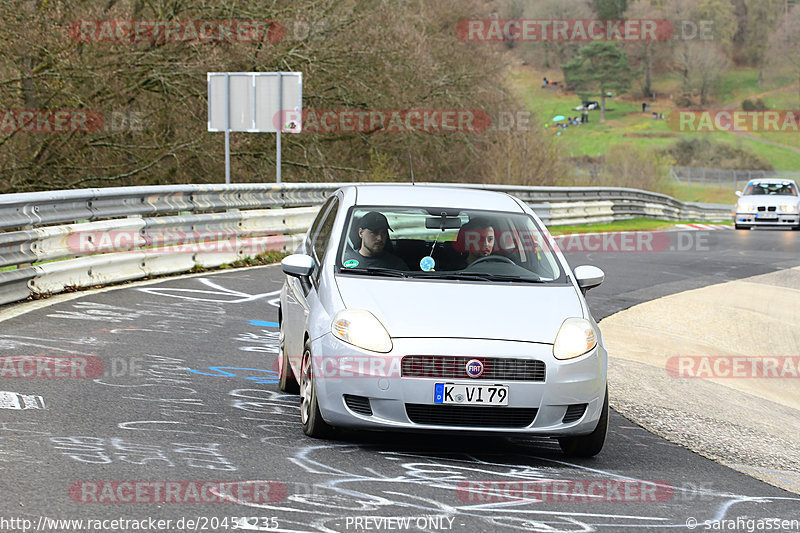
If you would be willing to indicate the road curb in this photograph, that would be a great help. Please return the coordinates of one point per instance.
(746, 424)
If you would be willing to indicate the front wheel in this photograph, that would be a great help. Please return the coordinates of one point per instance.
(313, 423)
(741, 226)
(286, 379)
(591, 444)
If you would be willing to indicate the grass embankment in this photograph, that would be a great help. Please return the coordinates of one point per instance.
(625, 122)
(634, 224)
(690, 192)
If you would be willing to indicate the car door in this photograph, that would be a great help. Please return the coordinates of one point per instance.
(298, 294)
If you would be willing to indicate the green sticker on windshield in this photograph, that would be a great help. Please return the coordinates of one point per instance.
(350, 263)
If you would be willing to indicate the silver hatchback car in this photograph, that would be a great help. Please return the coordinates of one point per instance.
(440, 308)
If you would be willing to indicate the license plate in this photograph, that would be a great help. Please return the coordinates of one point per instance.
(453, 393)
(766, 215)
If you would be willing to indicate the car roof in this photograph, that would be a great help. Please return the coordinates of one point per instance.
(772, 180)
(425, 195)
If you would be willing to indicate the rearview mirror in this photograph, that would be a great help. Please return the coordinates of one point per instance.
(738, 193)
(588, 277)
(298, 265)
(443, 222)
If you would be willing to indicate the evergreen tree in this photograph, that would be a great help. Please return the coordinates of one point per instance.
(610, 9)
(597, 69)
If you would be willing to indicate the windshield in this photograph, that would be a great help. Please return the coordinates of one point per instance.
(779, 188)
(446, 244)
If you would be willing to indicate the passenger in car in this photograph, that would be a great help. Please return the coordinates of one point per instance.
(373, 231)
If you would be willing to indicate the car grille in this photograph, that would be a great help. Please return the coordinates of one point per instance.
(358, 404)
(465, 416)
(495, 368)
(574, 412)
(770, 208)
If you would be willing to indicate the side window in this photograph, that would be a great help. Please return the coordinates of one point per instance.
(320, 240)
(317, 222)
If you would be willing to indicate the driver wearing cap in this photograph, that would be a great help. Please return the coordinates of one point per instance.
(373, 229)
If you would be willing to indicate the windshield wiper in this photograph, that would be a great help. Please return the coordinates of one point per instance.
(485, 276)
(376, 271)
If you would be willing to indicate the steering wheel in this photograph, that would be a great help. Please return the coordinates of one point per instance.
(493, 259)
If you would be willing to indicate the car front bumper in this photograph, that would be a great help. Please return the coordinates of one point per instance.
(342, 369)
(758, 219)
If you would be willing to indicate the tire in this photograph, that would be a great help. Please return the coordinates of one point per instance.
(740, 226)
(313, 423)
(286, 380)
(591, 444)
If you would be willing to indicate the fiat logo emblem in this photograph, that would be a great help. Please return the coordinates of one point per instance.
(474, 368)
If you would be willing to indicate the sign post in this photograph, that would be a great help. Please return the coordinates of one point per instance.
(255, 102)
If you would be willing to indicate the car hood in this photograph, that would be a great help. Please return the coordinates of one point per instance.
(471, 310)
(768, 200)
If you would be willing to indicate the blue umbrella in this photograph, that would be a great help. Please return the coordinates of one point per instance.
(558, 117)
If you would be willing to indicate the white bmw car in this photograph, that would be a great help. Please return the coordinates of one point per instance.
(439, 308)
(768, 202)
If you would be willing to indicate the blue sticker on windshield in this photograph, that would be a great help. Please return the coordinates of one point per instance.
(350, 263)
(427, 263)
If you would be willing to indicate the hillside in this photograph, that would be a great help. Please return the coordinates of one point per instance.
(626, 124)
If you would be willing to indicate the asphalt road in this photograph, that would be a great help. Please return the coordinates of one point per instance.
(187, 393)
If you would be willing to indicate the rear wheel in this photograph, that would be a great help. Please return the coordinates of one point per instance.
(286, 380)
(591, 444)
(313, 423)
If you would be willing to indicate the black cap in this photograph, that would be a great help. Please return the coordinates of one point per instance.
(374, 221)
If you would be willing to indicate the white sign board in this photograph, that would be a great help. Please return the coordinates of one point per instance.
(265, 102)
(257, 102)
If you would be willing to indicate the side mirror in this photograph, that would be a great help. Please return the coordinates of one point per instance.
(298, 265)
(588, 277)
(739, 193)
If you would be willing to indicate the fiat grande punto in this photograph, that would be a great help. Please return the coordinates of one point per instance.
(413, 307)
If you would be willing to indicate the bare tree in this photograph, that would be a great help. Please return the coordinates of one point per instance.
(699, 61)
(701, 65)
(552, 54)
(646, 56)
(355, 55)
(757, 22)
(783, 46)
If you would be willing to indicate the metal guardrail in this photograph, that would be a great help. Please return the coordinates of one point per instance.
(82, 238)
(734, 178)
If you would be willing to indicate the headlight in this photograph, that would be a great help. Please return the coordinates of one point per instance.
(745, 208)
(576, 337)
(361, 328)
(788, 209)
